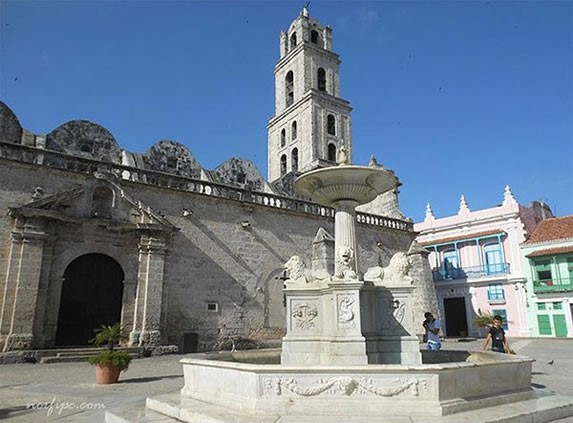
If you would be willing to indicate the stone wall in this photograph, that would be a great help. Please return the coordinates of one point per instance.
(227, 254)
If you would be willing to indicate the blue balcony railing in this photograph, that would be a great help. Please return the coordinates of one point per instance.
(553, 285)
(470, 272)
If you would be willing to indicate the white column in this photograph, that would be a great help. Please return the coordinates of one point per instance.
(345, 232)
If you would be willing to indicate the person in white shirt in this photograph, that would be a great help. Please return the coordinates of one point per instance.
(432, 326)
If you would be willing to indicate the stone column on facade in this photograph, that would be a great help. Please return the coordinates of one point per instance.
(149, 297)
(19, 304)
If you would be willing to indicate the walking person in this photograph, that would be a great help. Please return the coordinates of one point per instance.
(432, 326)
(496, 334)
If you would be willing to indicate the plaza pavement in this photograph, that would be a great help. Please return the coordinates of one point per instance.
(66, 392)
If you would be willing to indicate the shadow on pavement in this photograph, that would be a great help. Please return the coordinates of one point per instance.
(149, 379)
(538, 386)
(12, 411)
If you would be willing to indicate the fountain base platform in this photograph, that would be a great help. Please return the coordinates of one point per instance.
(230, 387)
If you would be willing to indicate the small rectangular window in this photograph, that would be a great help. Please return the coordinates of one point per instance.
(87, 146)
(172, 163)
(558, 306)
(214, 307)
(495, 293)
(541, 306)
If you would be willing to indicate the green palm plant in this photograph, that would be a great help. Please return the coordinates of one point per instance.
(483, 320)
(110, 336)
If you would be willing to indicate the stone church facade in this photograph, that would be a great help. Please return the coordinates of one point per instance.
(92, 234)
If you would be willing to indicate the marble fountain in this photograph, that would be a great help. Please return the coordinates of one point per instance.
(350, 350)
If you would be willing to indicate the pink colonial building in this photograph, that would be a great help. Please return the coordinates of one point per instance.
(477, 263)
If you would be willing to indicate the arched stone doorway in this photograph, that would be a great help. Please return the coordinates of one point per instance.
(91, 296)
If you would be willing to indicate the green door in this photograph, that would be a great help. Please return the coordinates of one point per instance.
(560, 325)
(544, 324)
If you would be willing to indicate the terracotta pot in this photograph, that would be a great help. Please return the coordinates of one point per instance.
(106, 375)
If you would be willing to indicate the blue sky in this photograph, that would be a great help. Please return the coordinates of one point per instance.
(457, 97)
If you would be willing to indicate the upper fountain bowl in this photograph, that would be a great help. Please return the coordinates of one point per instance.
(360, 184)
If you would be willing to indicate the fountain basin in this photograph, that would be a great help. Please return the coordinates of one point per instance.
(360, 184)
(236, 382)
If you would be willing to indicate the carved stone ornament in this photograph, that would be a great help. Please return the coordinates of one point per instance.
(345, 310)
(296, 270)
(395, 311)
(344, 263)
(304, 315)
(344, 385)
(396, 271)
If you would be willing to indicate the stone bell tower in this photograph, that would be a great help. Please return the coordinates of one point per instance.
(311, 121)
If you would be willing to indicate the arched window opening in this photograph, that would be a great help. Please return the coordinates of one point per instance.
(331, 125)
(294, 159)
(289, 85)
(293, 40)
(283, 137)
(102, 202)
(293, 131)
(314, 37)
(321, 79)
(283, 164)
(331, 153)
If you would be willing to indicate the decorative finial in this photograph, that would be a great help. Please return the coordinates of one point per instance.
(373, 162)
(305, 9)
(429, 213)
(463, 205)
(342, 156)
(508, 197)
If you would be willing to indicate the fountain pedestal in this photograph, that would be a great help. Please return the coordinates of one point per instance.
(324, 325)
(339, 320)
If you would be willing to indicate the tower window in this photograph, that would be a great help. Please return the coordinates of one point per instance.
(314, 37)
(283, 164)
(331, 125)
(293, 40)
(294, 159)
(283, 137)
(321, 74)
(331, 153)
(293, 131)
(289, 85)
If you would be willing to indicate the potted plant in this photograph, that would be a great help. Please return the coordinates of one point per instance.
(110, 362)
(483, 320)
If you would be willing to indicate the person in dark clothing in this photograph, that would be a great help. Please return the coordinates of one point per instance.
(496, 334)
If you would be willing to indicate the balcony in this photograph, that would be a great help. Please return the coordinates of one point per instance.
(471, 272)
(552, 285)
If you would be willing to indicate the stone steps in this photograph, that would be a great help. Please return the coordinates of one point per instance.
(70, 355)
(545, 407)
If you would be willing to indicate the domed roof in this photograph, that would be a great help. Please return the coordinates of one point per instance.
(10, 128)
(85, 139)
(239, 172)
(172, 157)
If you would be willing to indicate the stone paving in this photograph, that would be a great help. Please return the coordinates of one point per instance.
(66, 392)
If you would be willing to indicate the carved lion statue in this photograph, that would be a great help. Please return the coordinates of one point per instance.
(297, 273)
(343, 265)
(396, 271)
(296, 269)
